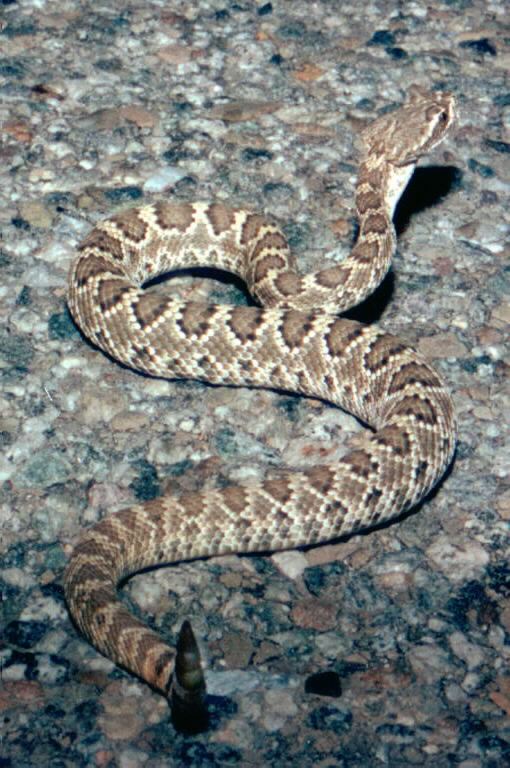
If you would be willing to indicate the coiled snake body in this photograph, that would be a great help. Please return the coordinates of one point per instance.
(294, 342)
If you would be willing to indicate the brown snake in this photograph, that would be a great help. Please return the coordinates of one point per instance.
(295, 342)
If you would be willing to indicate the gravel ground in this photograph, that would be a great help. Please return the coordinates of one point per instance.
(389, 649)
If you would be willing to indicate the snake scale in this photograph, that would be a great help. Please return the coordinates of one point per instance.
(295, 342)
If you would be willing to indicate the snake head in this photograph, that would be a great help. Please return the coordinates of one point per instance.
(403, 136)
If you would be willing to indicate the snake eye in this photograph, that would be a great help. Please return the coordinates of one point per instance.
(443, 117)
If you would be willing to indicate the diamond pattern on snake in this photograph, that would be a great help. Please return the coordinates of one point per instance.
(294, 341)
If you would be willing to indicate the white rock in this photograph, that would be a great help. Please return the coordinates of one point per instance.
(280, 705)
(231, 681)
(163, 178)
(471, 654)
(291, 564)
(14, 673)
(18, 578)
(459, 562)
(429, 662)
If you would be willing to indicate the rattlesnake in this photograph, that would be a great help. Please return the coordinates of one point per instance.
(295, 342)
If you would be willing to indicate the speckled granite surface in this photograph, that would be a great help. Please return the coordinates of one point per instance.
(388, 649)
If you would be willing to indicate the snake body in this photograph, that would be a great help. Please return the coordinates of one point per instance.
(296, 342)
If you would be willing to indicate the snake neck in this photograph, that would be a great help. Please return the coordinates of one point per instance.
(379, 188)
(338, 288)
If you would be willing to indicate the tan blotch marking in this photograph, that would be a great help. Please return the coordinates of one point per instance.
(418, 407)
(376, 223)
(295, 327)
(177, 216)
(93, 266)
(244, 322)
(221, 218)
(365, 252)
(157, 509)
(103, 242)
(251, 227)
(368, 200)
(413, 372)
(98, 545)
(111, 293)
(271, 240)
(288, 283)
(235, 499)
(132, 227)
(369, 177)
(280, 490)
(266, 265)
(395, 438)
(381, 351)
(333, 276)
(342, 333)
(360, 463)
(90, 570)
(322, 479)
(149, 308)
(195, 319)
(193, 504)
